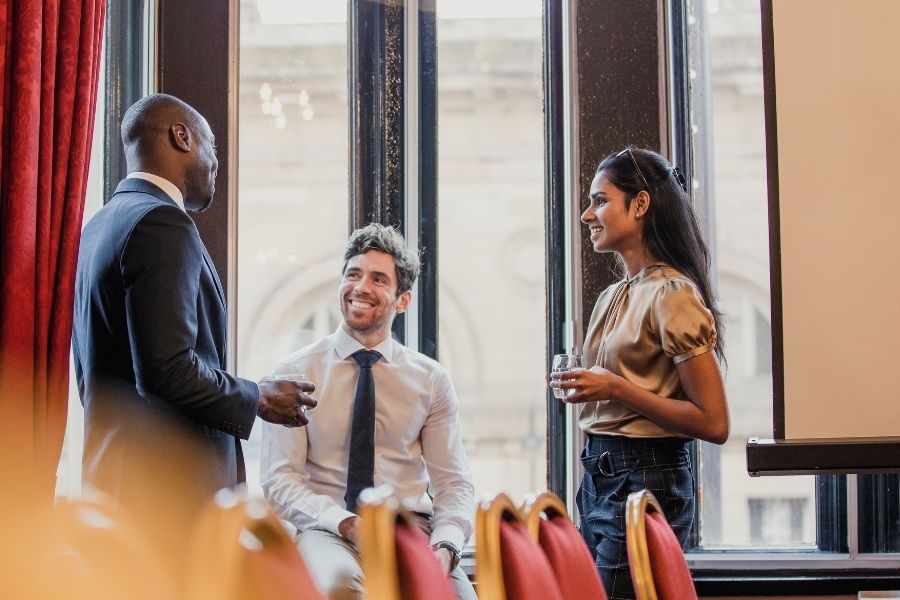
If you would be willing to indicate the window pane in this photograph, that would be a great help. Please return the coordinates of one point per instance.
(727, 116)
(491, 236)
(292, 175)
(68, 471)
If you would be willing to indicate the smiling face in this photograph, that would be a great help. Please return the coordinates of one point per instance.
(615, 224)
(368, 296)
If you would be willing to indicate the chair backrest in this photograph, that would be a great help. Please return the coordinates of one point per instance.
(396, 557)
(99, 551)
(548, 522)
(509, 563)
(659, 570)
(240, 549)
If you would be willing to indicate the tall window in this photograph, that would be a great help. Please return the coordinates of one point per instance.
(728, 128)
(293, 203)
(491, 236)
(293, 181)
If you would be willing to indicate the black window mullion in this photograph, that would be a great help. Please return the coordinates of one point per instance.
(879, 513)
(124, 77)
(681, 154)
(554, 215)
(428, 173)
(679, 88)
(831, 513)
(376, 29)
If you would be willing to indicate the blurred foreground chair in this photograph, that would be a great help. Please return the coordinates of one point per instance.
(509, 563)
(87, 549)
(104, 539)
(396, 556)
(659, 570)
(240, 549)
(548, 522)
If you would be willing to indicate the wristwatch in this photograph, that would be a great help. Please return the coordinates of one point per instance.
(455, 554)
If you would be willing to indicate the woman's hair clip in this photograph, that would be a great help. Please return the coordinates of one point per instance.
(679, 177)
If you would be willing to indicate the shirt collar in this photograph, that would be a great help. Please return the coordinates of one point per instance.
(646, 272)
(164, 184)
(345, 345)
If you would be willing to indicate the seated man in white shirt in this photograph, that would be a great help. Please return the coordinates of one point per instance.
(404, 433)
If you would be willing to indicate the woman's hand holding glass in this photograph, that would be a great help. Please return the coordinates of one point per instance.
(564, 363)
(580, 385)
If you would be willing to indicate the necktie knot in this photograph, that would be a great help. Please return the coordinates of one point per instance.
(366, 358)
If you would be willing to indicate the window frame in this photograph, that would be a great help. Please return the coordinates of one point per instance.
(659, 93)
(837, 565)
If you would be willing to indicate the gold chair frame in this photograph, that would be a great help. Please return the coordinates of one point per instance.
(636, 541)
(488, 558)
(213, 562)
(533, 507)
(380, 512)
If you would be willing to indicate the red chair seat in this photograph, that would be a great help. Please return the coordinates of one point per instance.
(570, 560)
(527, 574)
(420, 573)
(275, 574)
(671, 574)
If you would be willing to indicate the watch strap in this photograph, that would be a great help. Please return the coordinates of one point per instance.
(455, 553)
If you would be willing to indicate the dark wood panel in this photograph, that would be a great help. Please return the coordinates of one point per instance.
(193, 60)
(619, 103)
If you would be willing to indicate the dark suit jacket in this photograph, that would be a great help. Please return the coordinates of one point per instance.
(162, 417)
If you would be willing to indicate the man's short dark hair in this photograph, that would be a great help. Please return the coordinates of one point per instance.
(152, 115)
(385, 238)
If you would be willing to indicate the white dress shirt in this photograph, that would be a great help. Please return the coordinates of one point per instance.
(304, 469)
(164, 184)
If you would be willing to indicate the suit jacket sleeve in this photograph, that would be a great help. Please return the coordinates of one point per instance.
(161, 268)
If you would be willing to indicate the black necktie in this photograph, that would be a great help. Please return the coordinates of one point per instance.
(361, 466)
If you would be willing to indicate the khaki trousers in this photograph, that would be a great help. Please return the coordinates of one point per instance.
(334, 565)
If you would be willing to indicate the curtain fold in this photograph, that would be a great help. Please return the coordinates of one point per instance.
(49, 69)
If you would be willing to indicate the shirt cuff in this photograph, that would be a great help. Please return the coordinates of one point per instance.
(332, 517)
(449, 533)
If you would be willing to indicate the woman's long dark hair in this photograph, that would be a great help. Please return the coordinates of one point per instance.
(671, 232)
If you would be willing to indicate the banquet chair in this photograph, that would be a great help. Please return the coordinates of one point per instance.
(241, 549)
(90, 549)
(509, 563)
(659, 570)
(396, 556)
(548, 522)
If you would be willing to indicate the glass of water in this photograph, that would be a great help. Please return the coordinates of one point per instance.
(295, 377)
(566, 362)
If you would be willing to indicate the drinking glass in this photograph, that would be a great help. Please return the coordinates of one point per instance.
(566, 362)
(296, 377)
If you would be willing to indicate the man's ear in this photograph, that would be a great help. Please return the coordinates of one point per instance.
(181, 137)
(403, 301)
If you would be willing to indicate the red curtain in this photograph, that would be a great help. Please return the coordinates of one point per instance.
(49, 67)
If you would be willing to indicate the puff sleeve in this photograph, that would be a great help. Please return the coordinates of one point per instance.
(685, 325)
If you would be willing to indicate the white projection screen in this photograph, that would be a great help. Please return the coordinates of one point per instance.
(833, 136)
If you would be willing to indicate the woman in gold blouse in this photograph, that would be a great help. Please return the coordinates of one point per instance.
(653, 382)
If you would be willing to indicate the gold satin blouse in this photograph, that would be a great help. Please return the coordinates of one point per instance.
(640, 329)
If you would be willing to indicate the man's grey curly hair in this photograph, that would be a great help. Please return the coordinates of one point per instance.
(385, 238)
